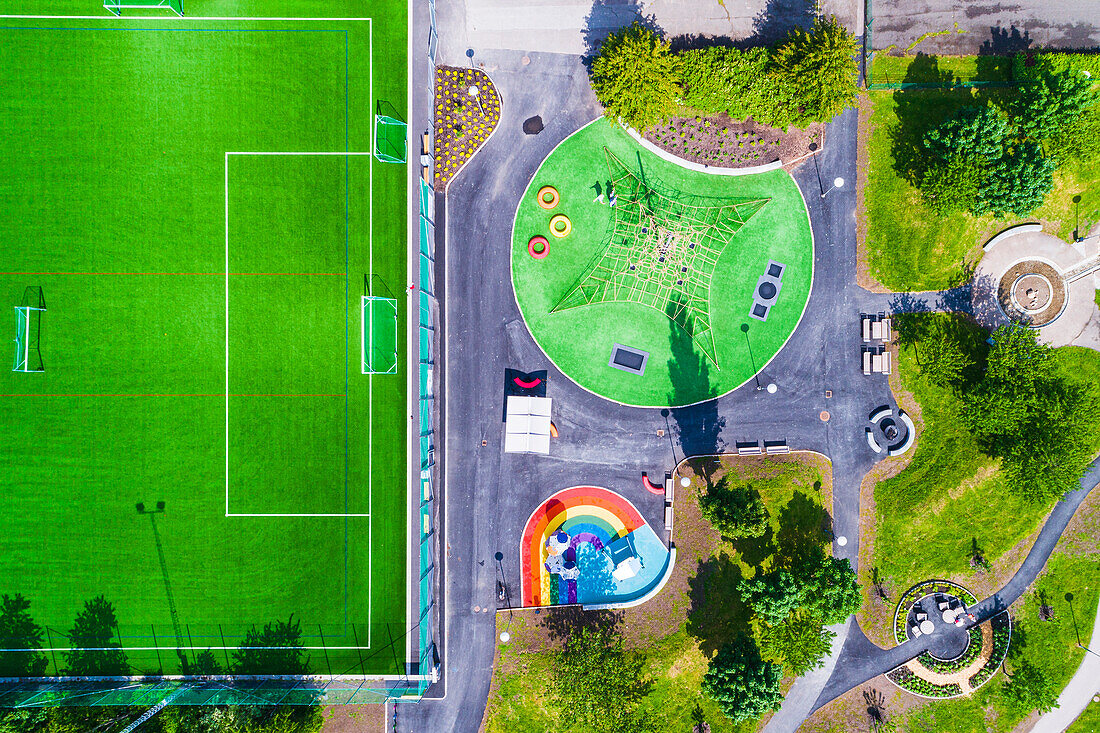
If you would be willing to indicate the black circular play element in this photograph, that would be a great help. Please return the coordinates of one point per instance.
(767, 291)
(499, 556)
(532, 125)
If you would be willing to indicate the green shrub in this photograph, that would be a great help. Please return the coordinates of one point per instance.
(636, 77)
(1027, 67)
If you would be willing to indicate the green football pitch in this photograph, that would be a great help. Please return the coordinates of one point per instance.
(197, 200)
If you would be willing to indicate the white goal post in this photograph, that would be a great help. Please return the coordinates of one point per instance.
(28, 358)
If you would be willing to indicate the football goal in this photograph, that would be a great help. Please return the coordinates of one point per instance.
(28, 326)
(390, 143)
(117, 6)
(379, 335)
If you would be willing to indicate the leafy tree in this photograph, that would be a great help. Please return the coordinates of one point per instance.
(830, 588)
(277, 649)
(741, 682)
(1029, 688)
(1026, 412)
(974, 133)
(952, 186)
(1017, 183)
(736, 510)
(1055, 100)
(773, 596)
(23, 720)
(19, 631)
(944, 361)
(636, 77)
(95, 647)
(801, 642)
(819, 65)
(599, 683)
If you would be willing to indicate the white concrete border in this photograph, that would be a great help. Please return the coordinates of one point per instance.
(1011, 232)
(713, 170)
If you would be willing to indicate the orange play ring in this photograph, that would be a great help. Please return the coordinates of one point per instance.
(548, 197)
(565, 227)
(538, 247)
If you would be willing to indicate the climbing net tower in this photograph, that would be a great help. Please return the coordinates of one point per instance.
(662, 252)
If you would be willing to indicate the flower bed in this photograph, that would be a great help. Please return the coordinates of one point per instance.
(904, 678)
(950, 666)
(727, 143)
(1002, 637)
(463, 121)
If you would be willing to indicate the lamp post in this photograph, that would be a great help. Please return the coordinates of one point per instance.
(473, 91)
(838, 182)
(1072, 615)
(1077, 218)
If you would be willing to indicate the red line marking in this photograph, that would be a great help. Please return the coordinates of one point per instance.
(55, 394)
(212, 274)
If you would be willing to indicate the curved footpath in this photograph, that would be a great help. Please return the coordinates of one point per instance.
(1075, 698)
(860, 660)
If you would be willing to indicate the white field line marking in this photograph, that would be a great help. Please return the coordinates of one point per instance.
(370, 378)
(264, 514)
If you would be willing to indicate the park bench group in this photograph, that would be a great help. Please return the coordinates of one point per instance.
(875, 356)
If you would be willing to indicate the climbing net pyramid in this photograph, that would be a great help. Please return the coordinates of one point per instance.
(662, 252)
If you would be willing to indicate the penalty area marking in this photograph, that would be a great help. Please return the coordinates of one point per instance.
(370, 428)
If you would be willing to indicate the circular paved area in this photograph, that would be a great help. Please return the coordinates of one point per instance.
(1028, 277)
(677, 282)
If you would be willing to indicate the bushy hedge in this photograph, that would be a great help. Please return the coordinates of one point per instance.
(904, 678)
(964, 660)
(810, 77)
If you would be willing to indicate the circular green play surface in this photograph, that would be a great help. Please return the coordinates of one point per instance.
(670, 270)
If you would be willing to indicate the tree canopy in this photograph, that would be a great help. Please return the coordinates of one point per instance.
(830, 589)
(818, 65)
(773, 596)
(741, 682)
(801, 642)
(735, 509)
(600, 683)
(636, 76)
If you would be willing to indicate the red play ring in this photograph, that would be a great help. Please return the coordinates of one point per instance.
(536, 240)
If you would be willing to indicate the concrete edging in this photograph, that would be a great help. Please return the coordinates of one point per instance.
(714, 170)
(1011, 231)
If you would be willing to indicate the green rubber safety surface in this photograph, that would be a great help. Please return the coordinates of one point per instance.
(583, 297)
(202, 267)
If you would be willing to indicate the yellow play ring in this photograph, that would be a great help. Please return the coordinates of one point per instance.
(560, 226)
(548, 197)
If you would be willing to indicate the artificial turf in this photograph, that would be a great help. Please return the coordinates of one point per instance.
(579, 340)
(201, 341)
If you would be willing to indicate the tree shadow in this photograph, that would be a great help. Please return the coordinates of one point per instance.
(608, 16)
(19, 631)
(274, 650)
(779, 17)
(717, 613)
(1005, 41)
(754, 550)
(803, 530)
(96, 649)
(561, 622)
(919, 110)
(699, 425)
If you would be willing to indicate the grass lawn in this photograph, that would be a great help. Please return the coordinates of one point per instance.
(201, 343)
(698, 609)
(579, 340)
(907, 246)
(913, 69)
(1088, 721)
(952, 497)
(1074, 567)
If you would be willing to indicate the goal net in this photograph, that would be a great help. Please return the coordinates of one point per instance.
(117, 6)
(28, 326)
(379, 335)
(390, 139)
